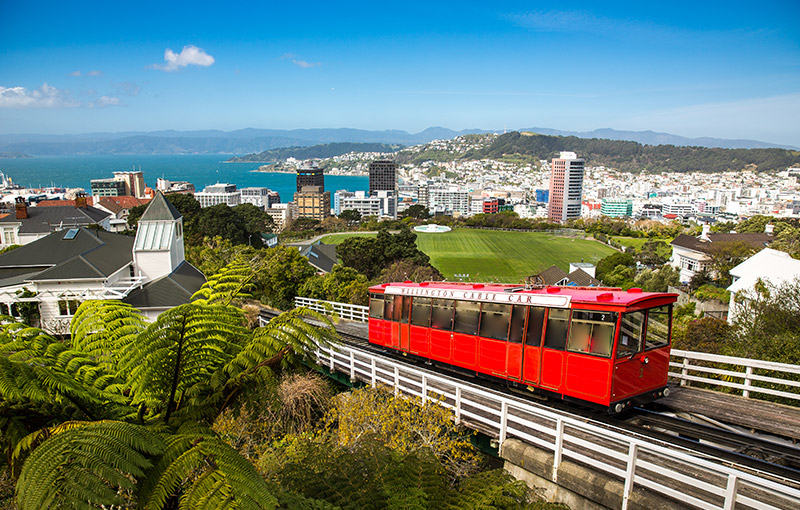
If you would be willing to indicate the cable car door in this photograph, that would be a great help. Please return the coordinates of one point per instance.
(532, 354)
(403, 312)
(553, 351)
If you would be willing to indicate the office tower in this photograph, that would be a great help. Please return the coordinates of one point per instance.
(382, 175)
(566, 188)
(310, 175)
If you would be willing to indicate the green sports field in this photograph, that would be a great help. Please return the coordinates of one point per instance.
(491, 255)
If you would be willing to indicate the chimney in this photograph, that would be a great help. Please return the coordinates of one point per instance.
(706, 230)
(768, 228)
(22, 208)
(80, 200)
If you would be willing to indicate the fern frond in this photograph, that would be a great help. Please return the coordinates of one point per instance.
(218, 476)
(86, 463)
(102, 328)
(229, 285)
(181, 349)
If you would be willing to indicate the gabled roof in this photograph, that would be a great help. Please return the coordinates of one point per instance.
(89, 254)
(321, 256)
(583, 279)
(552, 275)
(756, 240)
(171, 290)
(46, 219)
(117, 204)
(160, 209)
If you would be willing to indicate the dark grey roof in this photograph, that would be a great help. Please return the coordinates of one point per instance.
(552, 275)
(321, 256)
(46, 219)
(583, 279)
(160, 209)
(172, 290)
(756, 240)
(90, 254)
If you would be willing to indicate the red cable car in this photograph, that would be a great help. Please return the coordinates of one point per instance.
(599, 345)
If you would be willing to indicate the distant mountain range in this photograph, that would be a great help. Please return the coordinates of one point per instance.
(250, 140)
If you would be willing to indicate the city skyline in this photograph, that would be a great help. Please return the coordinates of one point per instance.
(719, 70)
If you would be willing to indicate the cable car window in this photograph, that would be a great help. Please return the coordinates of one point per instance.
(592, 332)
(555, 336)
(630, 334)
(517, 324)
(376, 306)
(535, 322)
(658, 320)
(441, 314)
(421, 312)
(494, 321)
(388, 303)
(466, 319)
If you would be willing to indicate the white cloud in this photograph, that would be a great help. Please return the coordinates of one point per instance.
(106, 101)
(306, 65)
(75, 74)
(95, 73)
(44, 97)
(189, 56)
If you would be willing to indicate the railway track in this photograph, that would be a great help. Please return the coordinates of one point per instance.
(746, 451)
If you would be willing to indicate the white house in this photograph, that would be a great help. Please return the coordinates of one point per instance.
(72, 265)
(770, 266)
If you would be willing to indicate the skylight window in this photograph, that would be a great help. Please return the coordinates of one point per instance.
(71, 233)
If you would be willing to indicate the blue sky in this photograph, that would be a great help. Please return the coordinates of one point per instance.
(723, 69)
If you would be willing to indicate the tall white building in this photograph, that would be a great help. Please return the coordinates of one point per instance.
(566, 187)
(450, 200)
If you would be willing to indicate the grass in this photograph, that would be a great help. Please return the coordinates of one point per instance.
(490, 255)
(338, 238)
(636, 242)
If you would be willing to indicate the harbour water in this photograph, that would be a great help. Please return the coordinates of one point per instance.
(199, 169)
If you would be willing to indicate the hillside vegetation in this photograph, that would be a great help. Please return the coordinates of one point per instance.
(635, 157)
(327, 150)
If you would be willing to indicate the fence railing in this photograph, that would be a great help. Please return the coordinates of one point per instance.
(343, 310)
(689, 478)
(748, 375)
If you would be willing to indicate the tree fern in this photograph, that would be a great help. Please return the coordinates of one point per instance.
(86, 466)
(181, 349)
(207, 473)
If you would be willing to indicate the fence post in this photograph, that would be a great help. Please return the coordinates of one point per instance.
(630, 474)
(458, 405)
(558, 447)
(747, 381)
(685, 371)
(503, 423)
(424, 388)
(374, 373)
(352, 366)
(730, 492)
(396, 380)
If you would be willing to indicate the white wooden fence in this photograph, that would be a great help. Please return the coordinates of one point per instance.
(738, 373)
(343, 310)
(691, 479)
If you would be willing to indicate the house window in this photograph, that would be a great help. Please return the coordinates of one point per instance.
(67, 307)
(8, 237)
